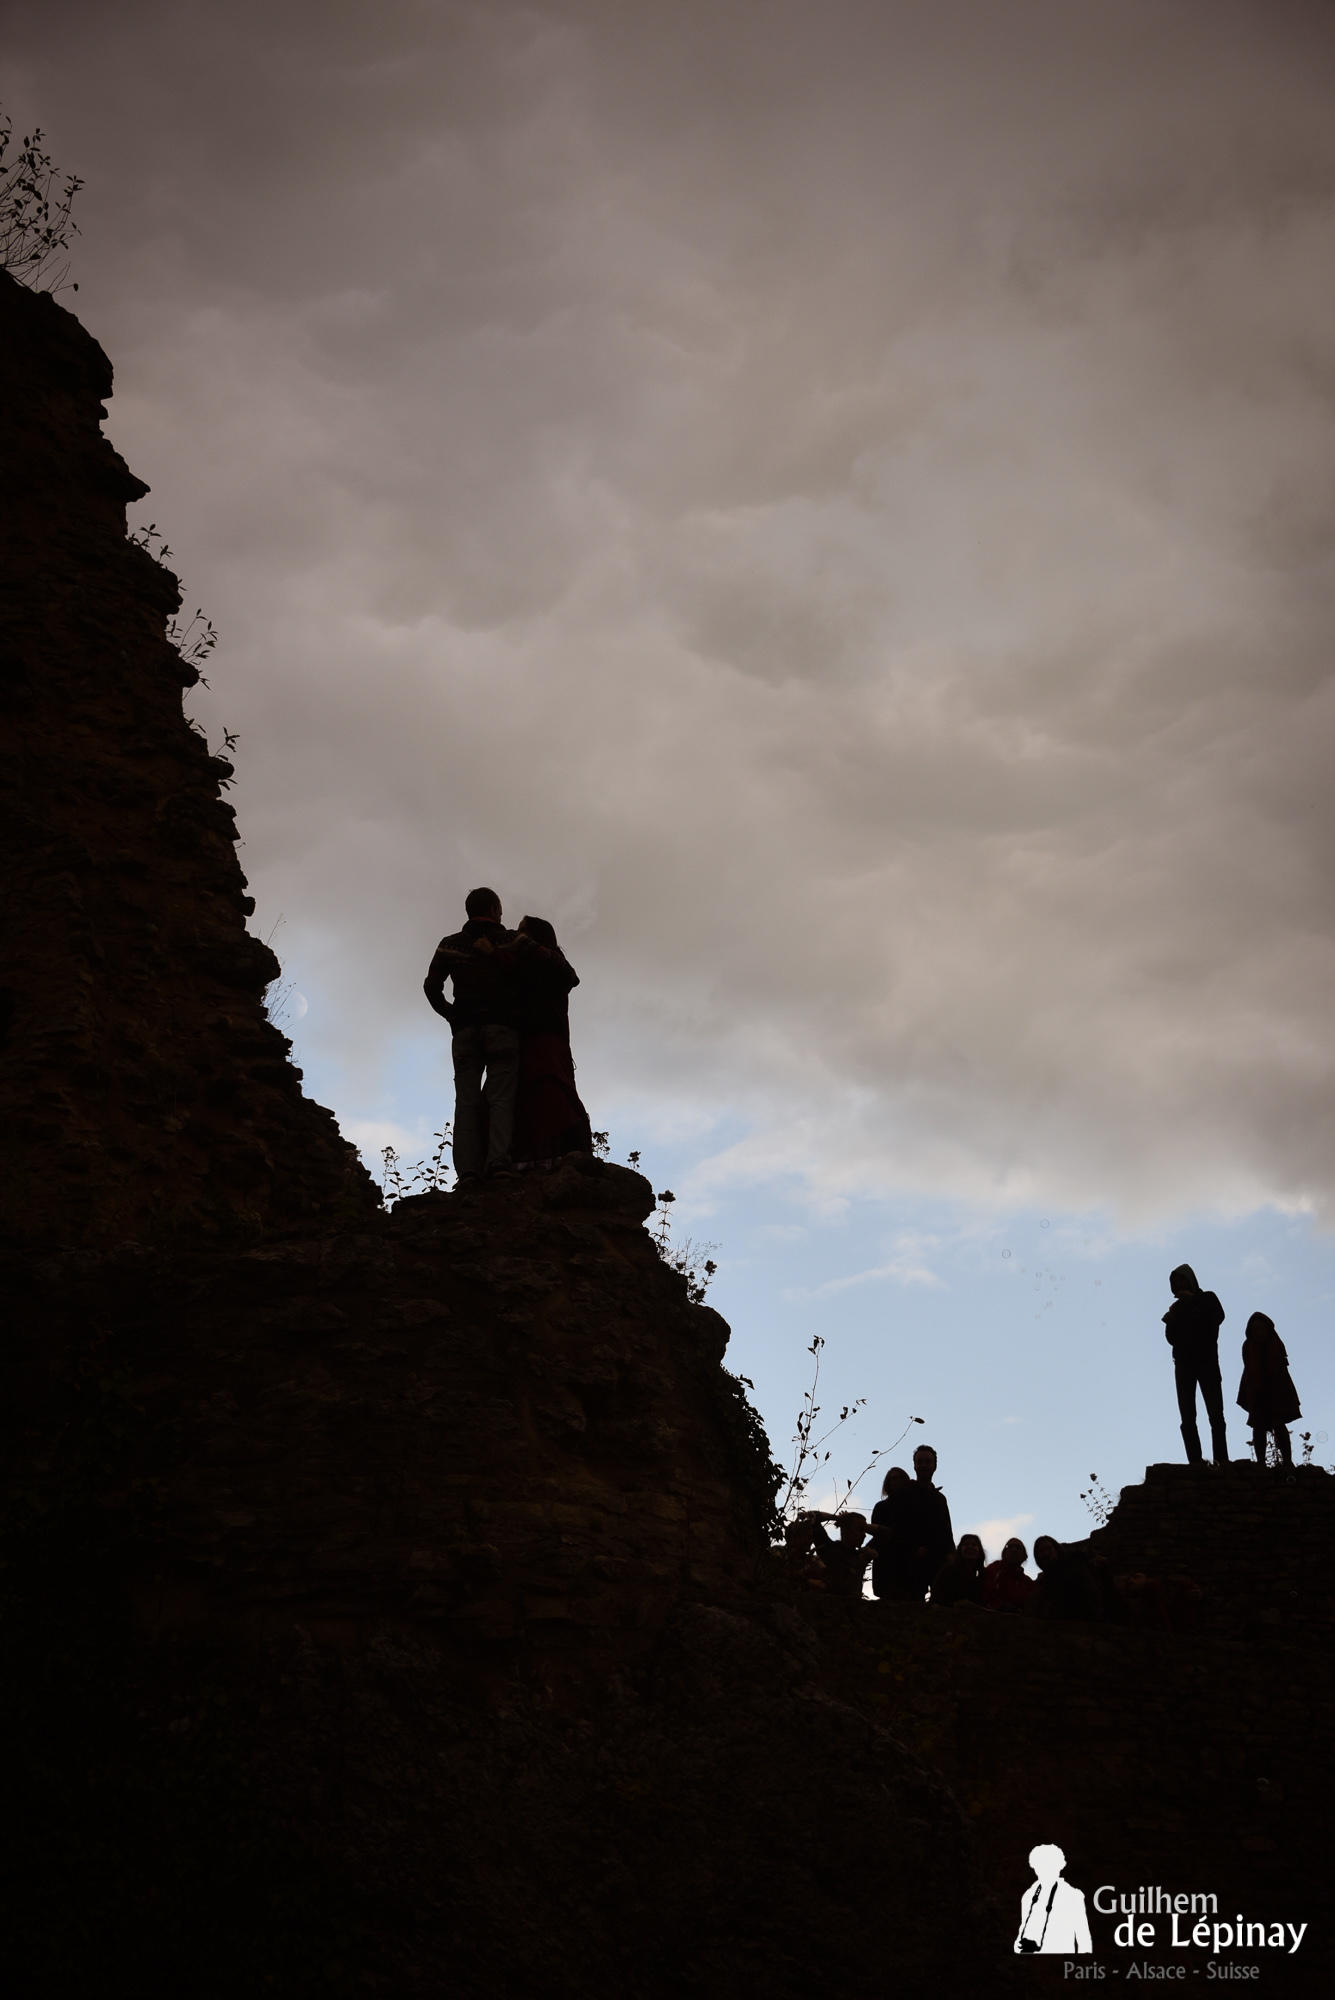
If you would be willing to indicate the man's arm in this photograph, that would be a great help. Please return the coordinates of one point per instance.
(442, 965)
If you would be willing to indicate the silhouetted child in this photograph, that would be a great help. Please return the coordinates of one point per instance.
(1006, 1587)
(800, 1554)
(845, 1560)
(960, 1577)
(1266, 1391)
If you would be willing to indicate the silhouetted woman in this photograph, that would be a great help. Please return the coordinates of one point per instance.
(549, 1118)
(892, 1565)
(1266, 1391)
(1005, 1584)
(960, 1577)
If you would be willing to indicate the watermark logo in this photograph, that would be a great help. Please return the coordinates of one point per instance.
(1054, 1920)
(1052, 1910)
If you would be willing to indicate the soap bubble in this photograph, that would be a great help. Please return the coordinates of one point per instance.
(297, 1006)
(1045, 1225)
(1005, 1253)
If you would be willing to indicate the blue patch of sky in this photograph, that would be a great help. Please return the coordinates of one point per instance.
(1031, 1342)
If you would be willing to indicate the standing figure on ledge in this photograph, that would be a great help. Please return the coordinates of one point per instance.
(1266, 1391)
(484, 1019)
(550, 1121)
(930, 1535)
(892, 1561)
(1191, 1328)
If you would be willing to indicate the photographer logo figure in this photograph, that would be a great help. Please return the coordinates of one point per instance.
(1052, 1913)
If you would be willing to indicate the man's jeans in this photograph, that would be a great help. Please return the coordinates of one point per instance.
(1204, 1373)
(484, 1112)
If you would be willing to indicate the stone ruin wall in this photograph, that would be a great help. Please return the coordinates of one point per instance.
(143, 1091)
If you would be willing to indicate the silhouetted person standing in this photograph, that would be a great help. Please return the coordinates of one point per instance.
(1191, 1328)
(550, 1120)
(1266, 1391)
(485, 1019)
(892, 1562)
(930, 1535)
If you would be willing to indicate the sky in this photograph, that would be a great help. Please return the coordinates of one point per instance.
(831, 506)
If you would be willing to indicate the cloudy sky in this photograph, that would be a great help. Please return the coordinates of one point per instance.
(831, 505)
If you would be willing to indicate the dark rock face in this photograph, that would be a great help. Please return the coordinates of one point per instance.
(142, 1089)
(495, 1416)
(412, 1586)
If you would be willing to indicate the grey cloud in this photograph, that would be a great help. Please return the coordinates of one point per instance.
(832, 504)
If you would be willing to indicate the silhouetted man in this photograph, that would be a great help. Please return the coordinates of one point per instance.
(929, 1533)
(1191, 1328)
(484, 1018)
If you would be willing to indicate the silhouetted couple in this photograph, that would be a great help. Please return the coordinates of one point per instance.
(910, 1524)
(1266, 1392)
(515, 1101)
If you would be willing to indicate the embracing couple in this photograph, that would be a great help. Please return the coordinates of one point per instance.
(515, 1101)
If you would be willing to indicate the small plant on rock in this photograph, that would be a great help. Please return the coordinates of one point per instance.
(429, 1176)
(808, 1454)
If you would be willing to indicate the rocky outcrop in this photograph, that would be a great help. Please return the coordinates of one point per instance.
(494, 1416)
(143, 1091)
(1253, 1541)
(430, 1561)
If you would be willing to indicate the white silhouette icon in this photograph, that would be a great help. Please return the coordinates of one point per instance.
(1052, 1913)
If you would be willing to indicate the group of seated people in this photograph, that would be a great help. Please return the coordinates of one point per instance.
(911, 1550)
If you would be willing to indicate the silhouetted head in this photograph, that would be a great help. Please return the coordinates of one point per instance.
(482, 906)
(852, 1527)
(1015, 1554)
(1259, 1323)
(971, 1549)
(1047, 1863)
(1183, 1281)
(924, 1462)
(1045, 1548)
(540, 931)
(896, 1479)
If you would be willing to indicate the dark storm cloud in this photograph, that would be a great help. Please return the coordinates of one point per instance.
(832, 503)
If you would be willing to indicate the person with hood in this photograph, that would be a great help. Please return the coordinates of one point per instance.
(1191, 1328)
(550, 1120)
(1266, 1391)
